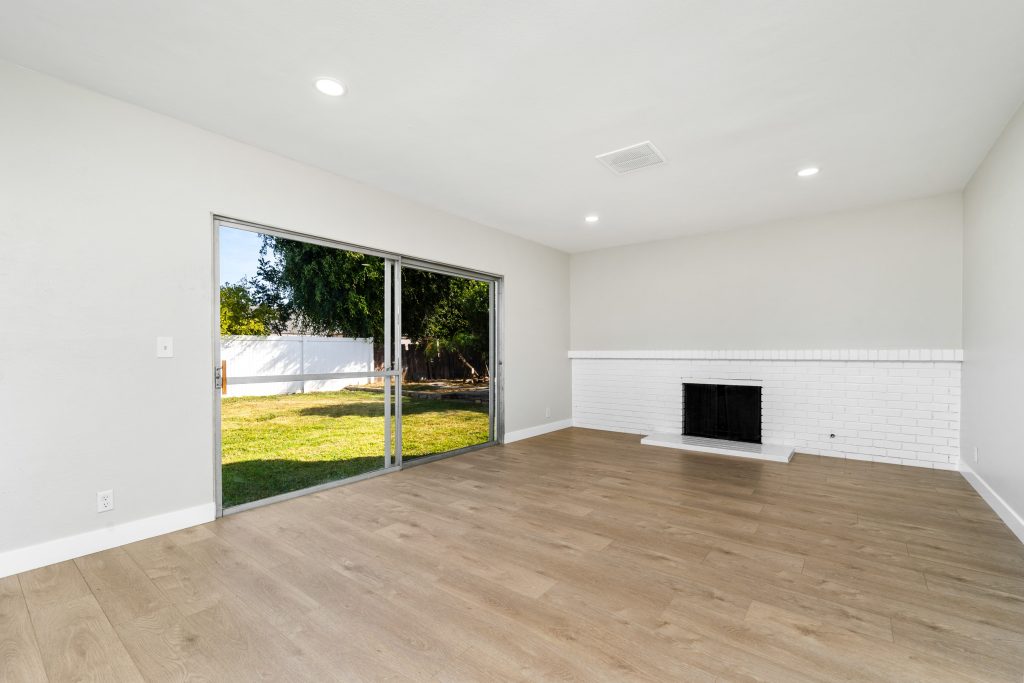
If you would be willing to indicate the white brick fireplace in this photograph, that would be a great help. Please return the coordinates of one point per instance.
(894, 406)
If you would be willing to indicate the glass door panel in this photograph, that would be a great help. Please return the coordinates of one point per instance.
(306, 364)
(446, 350)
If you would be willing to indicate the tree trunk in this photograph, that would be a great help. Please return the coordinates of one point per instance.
(472, 371)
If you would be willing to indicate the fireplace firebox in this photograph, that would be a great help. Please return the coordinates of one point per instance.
(722, 411)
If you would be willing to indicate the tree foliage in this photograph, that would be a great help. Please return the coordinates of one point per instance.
(321, 290)
(240, 312)
(458, 322)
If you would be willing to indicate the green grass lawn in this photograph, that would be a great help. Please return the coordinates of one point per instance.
(276, 444)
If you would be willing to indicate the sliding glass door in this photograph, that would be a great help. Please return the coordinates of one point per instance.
(447, 358)
(336, 363)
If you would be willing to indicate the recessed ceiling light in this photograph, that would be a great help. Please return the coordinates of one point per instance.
(592, 218)
(329, 86)
(808, 172)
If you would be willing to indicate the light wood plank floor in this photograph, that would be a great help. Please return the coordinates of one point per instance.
(578, 555)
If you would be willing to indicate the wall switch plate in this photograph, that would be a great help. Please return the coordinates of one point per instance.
(105, 501)
(165, 347)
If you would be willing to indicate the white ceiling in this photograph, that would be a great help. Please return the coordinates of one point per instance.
(495, 110)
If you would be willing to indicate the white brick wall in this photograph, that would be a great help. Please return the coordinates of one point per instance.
(898, 411)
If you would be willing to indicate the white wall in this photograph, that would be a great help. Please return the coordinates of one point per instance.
(105, 220)
(994, 323)
(888, 277)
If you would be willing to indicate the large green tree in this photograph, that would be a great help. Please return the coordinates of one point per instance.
(319, 290)
(322, 290)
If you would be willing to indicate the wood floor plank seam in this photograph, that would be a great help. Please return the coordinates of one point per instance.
(34, 635)
(107, 616)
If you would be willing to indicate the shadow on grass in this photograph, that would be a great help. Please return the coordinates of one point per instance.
(433, 426)
(251, 480)
(409, 407)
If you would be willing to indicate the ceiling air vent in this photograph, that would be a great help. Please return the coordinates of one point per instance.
(632, 158)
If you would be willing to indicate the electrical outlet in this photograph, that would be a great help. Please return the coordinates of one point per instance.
(165, 347)
(547, 412)
(975, 454)
(104, 501)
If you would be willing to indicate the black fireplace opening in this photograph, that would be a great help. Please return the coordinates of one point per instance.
(722, 411)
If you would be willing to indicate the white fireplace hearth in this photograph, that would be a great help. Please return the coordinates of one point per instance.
(739, 449)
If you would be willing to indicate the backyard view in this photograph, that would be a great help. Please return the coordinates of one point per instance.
(303, 329)
(274, 444)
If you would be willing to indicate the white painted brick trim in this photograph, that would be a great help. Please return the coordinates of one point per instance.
(905, 355)
(896, 406)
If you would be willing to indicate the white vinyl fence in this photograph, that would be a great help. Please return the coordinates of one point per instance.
(248, 357)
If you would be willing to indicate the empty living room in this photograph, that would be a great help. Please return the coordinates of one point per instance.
(512, 341)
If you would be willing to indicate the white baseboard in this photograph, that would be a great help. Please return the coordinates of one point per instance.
(529, 432)
(583, 424)
(67, 548)
(1011, 517)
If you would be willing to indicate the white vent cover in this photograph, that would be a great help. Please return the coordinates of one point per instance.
(632, 158)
